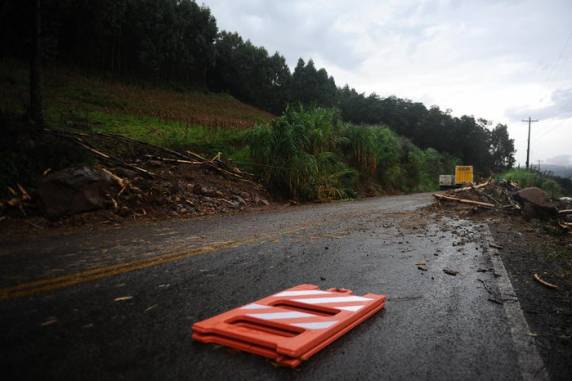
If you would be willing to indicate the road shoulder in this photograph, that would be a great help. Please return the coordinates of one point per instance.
(528, 250)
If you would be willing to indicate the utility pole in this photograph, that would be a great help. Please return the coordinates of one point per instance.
(529, 121)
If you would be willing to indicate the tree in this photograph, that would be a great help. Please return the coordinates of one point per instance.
(501, 148)
(249, 73)
(312, 87)
(36, 106)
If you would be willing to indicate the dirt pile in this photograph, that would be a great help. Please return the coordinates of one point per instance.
(130, 180)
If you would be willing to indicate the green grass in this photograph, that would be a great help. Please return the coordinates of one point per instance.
(529, 178)
(202, 121)
(168, 134)
(69, 92)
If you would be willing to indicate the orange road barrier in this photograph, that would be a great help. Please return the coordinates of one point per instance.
(291, 326)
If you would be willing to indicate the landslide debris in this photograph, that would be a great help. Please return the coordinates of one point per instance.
(507, 197)
(130, 180)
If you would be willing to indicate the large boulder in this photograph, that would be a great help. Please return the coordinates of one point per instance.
(536, 203)
(74, 190)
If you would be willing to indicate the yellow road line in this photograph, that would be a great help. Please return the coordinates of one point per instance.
(50, 284)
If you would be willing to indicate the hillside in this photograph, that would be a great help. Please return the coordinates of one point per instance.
(138, 111)
(307, 154)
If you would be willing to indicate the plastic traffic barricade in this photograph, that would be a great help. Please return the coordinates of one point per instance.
(290, 326)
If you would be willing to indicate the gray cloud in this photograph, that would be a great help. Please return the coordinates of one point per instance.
(564, 160)
(560, 108)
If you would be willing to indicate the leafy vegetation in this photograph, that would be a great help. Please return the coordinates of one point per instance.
(312, 155)
(555, 186)
(177, 43)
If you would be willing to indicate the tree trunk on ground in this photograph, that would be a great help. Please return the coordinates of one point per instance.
(36, 111)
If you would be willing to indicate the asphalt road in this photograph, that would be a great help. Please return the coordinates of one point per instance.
(119, 303)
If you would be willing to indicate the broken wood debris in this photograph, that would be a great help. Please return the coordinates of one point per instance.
(131, 175)
(169, 160)
(506, 196)
(472, 187)
(463, 201)
(122, 298)
(422, 265)
(543, 282)
(76, 138)
(20, 200)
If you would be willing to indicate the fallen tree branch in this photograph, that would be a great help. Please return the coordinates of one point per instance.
(489, 197)
(212, 165)
(187, 157)
(463, 201)
(543, 282)
(102, 155)
(472, 187)
(152, 146)
(168, 160)
(565, 211)
(119, 180)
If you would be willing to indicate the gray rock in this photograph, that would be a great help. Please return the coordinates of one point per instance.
(74, 190)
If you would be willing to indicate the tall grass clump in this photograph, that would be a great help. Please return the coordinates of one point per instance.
(533, 178)
(297, 156)
(393, 162)
(311, 155)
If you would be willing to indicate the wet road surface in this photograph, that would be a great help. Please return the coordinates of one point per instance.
(119, 304)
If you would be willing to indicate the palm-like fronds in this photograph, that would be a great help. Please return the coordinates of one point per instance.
(309, 154)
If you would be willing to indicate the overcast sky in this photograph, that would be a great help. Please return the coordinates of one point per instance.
(502, 60)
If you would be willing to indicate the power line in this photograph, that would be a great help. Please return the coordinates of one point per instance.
(559, 58)
(549, 131)
(550, 72)
(548, 78)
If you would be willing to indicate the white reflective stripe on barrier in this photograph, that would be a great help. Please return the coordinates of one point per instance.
(317, 325)
(254, 306)
(335, 299)
(350, 308)
(281, 315)
(302, 293)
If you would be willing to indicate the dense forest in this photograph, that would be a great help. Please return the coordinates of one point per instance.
(177, 43)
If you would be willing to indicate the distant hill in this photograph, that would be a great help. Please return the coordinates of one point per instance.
(558, 170)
